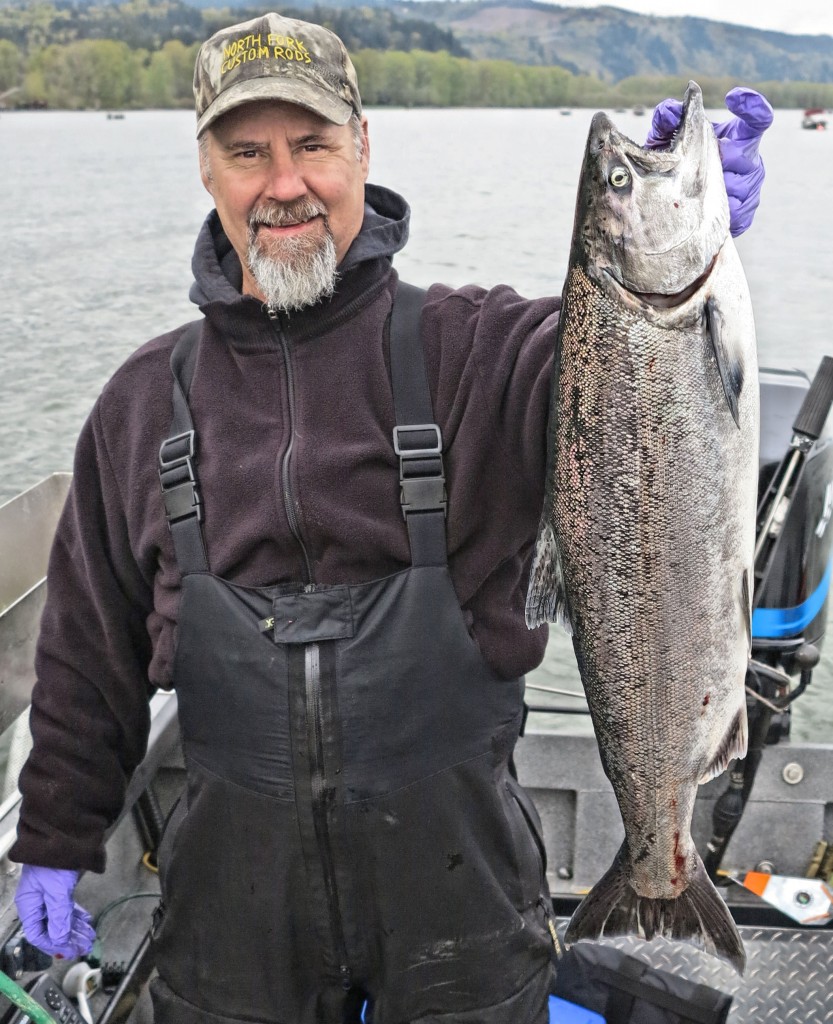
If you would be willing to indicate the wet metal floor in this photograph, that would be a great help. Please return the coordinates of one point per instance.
(788, 979)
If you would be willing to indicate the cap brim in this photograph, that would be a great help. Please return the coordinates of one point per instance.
(290, 90)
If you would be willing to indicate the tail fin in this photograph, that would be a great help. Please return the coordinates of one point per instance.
(698, 914)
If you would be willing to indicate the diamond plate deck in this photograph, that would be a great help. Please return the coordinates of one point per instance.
(788, 980)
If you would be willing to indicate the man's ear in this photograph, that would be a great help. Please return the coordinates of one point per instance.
(205, 168)
(365, 148)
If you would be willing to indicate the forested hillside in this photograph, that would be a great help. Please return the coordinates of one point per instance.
(141, 54)
(613, 44)
(147, 24)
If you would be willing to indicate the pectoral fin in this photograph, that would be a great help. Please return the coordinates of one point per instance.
(546, 600)
(728, 365)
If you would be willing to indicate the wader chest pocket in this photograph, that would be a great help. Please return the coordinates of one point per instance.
(313, 617)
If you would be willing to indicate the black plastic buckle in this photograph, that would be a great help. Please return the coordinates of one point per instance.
(176, 475)
(423, 494)
(423, 488)
(417, 453)
(178, 457)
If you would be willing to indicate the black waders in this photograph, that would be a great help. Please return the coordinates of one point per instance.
(350, 829)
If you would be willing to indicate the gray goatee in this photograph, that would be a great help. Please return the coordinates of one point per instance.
(291, 273)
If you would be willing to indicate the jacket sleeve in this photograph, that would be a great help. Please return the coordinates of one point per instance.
(502, 345)
(89, 715)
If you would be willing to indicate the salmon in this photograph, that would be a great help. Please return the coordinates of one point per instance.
(645, 546)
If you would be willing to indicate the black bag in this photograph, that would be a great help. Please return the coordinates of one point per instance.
(629, 991)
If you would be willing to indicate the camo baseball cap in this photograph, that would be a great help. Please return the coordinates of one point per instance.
(275, 58)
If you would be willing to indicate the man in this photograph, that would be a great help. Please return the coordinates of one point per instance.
(325, 551)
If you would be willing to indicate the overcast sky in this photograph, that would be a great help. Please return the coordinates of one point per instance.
(814, 17)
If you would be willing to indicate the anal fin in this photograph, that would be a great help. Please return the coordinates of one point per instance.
(733, 745)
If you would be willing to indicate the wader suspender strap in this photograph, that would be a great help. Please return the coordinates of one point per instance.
(176, 461)
(416, 438)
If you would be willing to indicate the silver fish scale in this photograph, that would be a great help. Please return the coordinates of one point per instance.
(789, 973)
(653, 551)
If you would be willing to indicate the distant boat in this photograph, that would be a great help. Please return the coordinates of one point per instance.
(639, 111)
(813, 120)
(114, 117)
(566, 112)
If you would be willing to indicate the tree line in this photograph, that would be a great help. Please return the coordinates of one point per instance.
(107, 74)
(96, 74)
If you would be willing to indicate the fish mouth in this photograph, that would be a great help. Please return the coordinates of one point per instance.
(643, 159)
(692, 101)
(659, 300)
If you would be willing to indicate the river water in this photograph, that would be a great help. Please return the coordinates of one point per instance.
(99, 216)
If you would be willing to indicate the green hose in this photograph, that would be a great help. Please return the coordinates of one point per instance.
(34, 1011)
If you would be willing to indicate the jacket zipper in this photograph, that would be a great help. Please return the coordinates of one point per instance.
(315, 742)
(288, 503)
(312, 681)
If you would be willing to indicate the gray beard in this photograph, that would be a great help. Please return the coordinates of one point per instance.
(297, 272)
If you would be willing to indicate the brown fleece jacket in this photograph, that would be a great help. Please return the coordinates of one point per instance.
(109, 627)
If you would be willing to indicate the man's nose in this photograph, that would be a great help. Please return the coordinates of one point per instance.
(285, 181)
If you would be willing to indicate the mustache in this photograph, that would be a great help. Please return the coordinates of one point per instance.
(279, 215)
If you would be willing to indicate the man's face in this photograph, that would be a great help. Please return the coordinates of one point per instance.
(283, 180)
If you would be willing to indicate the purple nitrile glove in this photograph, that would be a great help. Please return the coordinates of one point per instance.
(738, 139)
(49, 917)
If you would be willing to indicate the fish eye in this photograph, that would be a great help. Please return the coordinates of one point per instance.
(619, 177)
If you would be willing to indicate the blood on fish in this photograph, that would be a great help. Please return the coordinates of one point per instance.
(679, 858)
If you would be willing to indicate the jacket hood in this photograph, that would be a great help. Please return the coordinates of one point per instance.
(218, 276)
